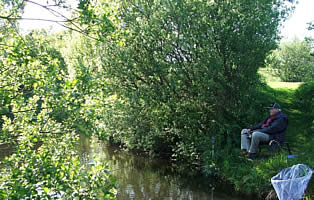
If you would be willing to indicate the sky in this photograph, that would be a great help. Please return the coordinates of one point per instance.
(295, 26)
(37, 12)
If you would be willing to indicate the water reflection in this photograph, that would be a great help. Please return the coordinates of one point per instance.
(140, 177)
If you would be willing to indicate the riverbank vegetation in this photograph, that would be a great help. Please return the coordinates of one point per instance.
(254, 177)
(162, 77)
(41, 111)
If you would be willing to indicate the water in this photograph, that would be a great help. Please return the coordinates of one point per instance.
(142, 178)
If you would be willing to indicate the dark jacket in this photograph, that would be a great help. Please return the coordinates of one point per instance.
(276, 129)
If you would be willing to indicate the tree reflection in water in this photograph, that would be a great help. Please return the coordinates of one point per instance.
(141, 177)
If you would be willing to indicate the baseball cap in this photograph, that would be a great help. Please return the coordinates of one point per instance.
(274, 106)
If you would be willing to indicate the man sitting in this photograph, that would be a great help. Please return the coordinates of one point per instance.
(272, 128)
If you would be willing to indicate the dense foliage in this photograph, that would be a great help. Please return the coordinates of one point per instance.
(293, 61)
(185, 70)
(304, 99)
(159, 76)
(41, 108)
(304, 96)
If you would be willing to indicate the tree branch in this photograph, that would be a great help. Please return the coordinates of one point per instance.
(52, 11)
(79, 31)
(76, 28)
(58, 14)
(34, 19)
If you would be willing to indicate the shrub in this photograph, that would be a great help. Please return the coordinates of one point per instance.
(304, 98)
(53, 171)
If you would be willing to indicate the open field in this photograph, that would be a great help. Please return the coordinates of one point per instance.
(290, 85)
(274, 81)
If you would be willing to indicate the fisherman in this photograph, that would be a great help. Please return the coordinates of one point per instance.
(272, 128)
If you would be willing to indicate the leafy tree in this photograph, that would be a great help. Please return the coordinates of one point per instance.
(40, 107)
(184, 70)
(293, 61)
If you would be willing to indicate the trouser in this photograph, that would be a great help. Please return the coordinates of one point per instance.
(250, 142)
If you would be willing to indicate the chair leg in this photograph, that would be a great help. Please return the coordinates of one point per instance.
(274, 146)
(288, 147)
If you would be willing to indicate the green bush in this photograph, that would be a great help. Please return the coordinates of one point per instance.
(53, 171)
(41, 113)
(304, 98)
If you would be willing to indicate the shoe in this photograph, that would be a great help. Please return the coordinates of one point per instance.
(244, 153)
(252, 156)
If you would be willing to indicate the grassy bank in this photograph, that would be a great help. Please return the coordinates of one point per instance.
(286, 85)
(254, 176)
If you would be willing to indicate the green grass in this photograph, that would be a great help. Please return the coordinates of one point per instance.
(284, 94)
(274, 81)
(289, 85)
(300, 140)
(254, 176)
(298, 121)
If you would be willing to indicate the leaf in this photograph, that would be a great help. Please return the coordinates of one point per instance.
(46, 190)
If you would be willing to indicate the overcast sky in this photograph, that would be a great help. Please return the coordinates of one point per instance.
(295, 26)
